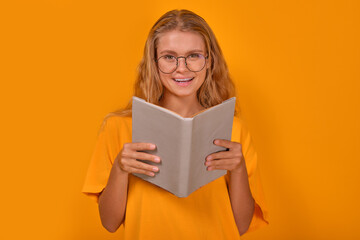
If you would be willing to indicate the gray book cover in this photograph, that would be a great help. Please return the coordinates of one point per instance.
(182, 143)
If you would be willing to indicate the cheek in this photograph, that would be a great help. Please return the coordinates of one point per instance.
(202, 77)
(164, 79)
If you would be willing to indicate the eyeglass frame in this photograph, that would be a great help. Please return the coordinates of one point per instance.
(177, 62)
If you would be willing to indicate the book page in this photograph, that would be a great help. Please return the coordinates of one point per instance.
(216, 123)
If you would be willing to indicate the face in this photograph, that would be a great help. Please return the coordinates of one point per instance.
(182, 82)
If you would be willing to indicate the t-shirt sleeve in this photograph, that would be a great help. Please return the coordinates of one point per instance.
(106, 149)
(260, 216)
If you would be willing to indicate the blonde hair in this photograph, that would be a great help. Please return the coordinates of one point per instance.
(217, 86)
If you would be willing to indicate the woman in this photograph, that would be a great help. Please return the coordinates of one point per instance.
(183, 70)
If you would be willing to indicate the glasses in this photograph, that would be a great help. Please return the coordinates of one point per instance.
(195, 62)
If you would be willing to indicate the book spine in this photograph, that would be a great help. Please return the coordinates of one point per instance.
(186, 137)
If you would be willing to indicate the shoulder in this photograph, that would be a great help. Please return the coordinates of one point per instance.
(238, 124)
(237, 121)
(241, 130)
(115, 121)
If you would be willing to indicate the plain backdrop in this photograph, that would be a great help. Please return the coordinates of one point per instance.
(66, 64)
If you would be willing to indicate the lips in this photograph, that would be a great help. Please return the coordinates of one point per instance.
(183, 82)
(183, 79)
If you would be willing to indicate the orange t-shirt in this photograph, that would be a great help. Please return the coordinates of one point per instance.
(154, 213)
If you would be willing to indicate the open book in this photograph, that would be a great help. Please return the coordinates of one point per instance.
(182, 143)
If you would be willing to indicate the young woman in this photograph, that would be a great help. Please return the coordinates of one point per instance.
(183, 70)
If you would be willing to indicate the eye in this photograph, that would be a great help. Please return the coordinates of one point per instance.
(194, 56)
(169, 57)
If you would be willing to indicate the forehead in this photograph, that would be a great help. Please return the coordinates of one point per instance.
(180, 42)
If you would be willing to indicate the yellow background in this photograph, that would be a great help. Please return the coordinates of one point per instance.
(66, 64)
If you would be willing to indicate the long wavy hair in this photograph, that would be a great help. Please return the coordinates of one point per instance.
(217, 86)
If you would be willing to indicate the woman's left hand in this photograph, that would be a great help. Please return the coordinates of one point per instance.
(231, 160)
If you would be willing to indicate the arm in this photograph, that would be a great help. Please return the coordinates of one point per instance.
(112, 200)
(242, 202)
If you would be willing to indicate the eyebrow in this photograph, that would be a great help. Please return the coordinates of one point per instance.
(173, 52)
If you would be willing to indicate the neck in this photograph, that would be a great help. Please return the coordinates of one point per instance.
(184, 106)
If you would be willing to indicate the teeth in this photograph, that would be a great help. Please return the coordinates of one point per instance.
(183, 80)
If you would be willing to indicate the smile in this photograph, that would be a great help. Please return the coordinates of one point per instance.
(183, 79)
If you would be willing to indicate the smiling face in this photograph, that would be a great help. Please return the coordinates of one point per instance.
(182, 82)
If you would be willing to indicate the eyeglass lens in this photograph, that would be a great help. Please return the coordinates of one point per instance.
(169, 63)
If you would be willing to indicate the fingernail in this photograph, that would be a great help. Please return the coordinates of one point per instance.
(152, 174)
(157, 159)
(208, 158)
(155, 169)
(153, 146)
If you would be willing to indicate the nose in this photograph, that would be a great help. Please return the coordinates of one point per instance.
(181, 65)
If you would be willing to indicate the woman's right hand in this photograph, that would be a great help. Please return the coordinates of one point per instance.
(127, 159)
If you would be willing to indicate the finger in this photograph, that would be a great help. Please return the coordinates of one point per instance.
(222, 167)
(141, 156)
(141, 171)
(226, 143)
(216, 163)
(139, 146)
(220, 155)
(130, 162)
(140, 165)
